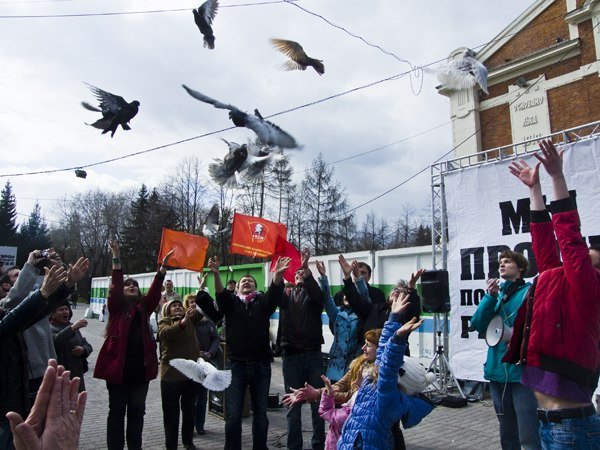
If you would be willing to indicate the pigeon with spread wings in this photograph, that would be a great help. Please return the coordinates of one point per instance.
(299, 59)
(115, 111)
(463, 72)
(268, 132)
(204, 16)
(245, 161)
(204, 373)
(211, 226)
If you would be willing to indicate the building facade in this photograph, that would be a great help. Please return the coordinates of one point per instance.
(543, 77)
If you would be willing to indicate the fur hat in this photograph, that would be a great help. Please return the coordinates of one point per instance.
(413, 377)
(166, 306)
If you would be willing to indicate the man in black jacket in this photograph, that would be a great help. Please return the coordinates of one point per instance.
(247, 314)
(301, 340)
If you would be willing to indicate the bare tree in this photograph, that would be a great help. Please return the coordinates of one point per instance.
(185, 187)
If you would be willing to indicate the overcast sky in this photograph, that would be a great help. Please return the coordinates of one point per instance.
(146, 57)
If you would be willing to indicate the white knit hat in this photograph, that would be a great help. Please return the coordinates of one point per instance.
(413, 376)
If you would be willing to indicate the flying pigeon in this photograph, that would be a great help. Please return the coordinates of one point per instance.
(463, 72)
(244, 161)
(115, 111)
(204, 16)
(211, 226)
(256, 162)
(299, 59)
(268, 132)
(204, 373)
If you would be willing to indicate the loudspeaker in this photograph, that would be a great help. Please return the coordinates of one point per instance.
(436, 291)
(497, 332)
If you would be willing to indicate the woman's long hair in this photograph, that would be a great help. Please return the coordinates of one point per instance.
(358, 363)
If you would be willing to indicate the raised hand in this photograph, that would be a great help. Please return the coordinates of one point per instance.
(328, 387)
(409, 326)
(305, 253)
(346, 267)
(414, 277)
(282, 264)
(550, 158)
(308, 393)
(493, 286)
(355, 269)
(213, 264)
(55, 276)
(114, 248)
(523, 171)
(77, 271)
(56, 417)
(321, 268)
(399, 301)
(202, 280)
(165, 261)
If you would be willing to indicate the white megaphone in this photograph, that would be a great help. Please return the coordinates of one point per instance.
(497, 332)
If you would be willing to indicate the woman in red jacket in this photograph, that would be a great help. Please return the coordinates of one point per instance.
(557, 342)
(127, 360)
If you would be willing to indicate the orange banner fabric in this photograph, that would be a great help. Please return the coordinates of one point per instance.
(190, 250)
(254, 236)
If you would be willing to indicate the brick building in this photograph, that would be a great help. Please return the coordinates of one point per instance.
(544, 77)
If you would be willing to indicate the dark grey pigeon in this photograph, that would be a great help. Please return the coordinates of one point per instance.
(204, 17)
(267, 132)
(115, 111)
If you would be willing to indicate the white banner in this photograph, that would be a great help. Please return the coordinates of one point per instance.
(488, 212)
(8, 255)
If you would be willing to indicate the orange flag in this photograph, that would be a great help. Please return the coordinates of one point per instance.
(283, 249)
(254, 236)
(190, 250)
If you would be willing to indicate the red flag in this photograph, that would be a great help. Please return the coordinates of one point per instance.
(284, 249)
(254, 236)
(190, 250)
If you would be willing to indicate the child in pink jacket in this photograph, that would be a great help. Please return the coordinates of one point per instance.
(335, 416)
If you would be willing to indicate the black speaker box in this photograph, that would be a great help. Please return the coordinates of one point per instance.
(436, 291)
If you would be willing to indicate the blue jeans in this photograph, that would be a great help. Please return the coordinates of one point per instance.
(257, 376)
(299, 369)
(516, 409)
(127, 398)
(201, 398)
(581, 434)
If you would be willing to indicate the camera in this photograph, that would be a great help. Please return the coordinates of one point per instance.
(44, 261)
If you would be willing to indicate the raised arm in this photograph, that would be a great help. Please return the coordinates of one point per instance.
(207, 304)
(310, 284)
(329, 304)
(359, 305)
(213, 265)
(152, 297)
(542, 232)
(25, 281)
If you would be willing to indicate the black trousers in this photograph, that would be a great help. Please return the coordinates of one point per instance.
(178, 395)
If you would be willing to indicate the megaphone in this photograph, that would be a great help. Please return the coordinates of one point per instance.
(497, 332)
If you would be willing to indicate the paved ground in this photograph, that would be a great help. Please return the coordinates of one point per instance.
(473, 427)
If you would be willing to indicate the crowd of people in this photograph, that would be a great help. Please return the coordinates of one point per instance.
(541, 382)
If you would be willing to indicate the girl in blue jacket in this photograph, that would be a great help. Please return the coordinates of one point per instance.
(390, 392)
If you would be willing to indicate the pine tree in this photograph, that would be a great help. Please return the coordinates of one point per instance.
(33, 235)
(8, 216)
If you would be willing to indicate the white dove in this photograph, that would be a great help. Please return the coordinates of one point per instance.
(463, 72)
(204, 373)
